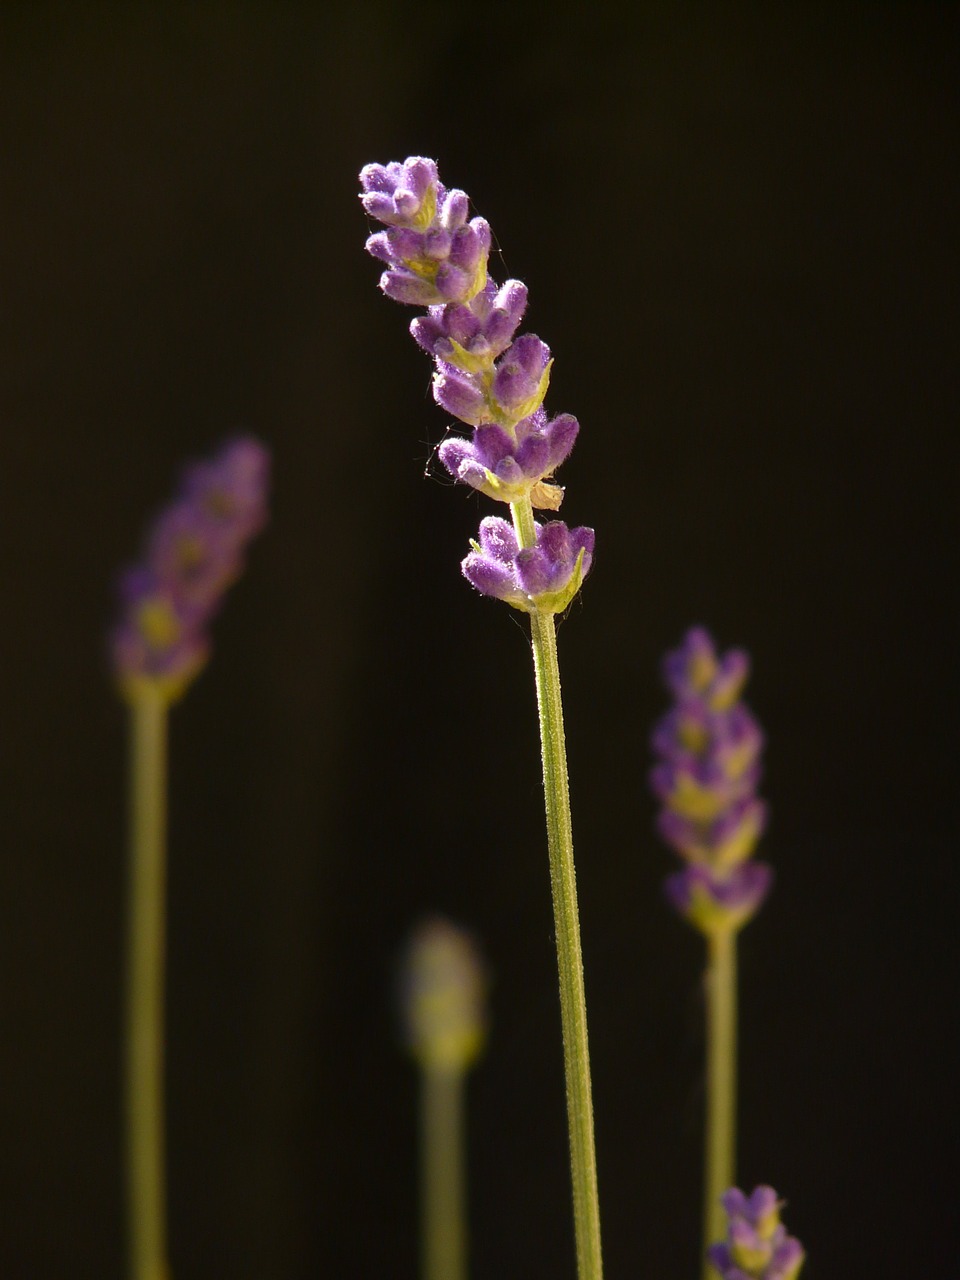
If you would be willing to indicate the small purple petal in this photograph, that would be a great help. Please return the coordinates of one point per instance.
(404, 286)
(490, 577)
(535, 572)
(459, 396)
(562, 434)
(454, 210)
(498, 539)
(508, 308)
(453, 283)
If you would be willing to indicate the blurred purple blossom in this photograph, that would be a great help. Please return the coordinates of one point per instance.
(757, 1245)
(194, 551)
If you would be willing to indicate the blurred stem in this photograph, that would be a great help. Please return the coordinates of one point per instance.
(442, 1197)
(146, 1198)
(573, 1006)
(721, 1121)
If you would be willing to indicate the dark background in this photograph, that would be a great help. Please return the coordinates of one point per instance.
(738, 225)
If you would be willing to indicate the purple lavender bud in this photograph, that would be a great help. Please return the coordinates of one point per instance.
(453, 283)
(401, 194)
(521, 379)
(194, 551)
(534, 455)
(456, 393)
(509, 304)
(428, 331)
(405, 286)
(463, 322)
(454, 210)
(543, 578)
(562, 434)
(470, 245)
(709, 746)
(757, 1245)
(437, 243)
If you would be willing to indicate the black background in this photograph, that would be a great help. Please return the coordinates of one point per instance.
(738, 225)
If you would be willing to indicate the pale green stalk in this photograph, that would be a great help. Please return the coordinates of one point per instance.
(444, 1234)
(573, 1008)
(720, 981)
(146, 1198)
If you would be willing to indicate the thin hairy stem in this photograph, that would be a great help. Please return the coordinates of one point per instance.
(444, 1233)
(721, 1120)
(573, 1008)
(146, 1200)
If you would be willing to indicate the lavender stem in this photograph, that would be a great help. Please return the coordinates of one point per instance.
(442, 1169)
(720, 982)
(145, 964)
(573, 1007)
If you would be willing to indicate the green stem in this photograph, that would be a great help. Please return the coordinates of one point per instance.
(573, 1008)
(146, 1206)
(721, 1121)
(442, 1172)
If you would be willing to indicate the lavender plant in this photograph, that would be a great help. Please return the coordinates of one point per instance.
(495, 383)
(757, 1246)
(709, 749)
(443, 998)
(194, 550)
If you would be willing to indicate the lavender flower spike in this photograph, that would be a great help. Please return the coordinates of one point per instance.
(485, 376)
(433, 254)
(709, 747)
(194, 552)
(539, 579)
(757, 1245)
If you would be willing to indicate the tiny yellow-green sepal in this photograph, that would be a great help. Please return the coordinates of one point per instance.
(463, 359)
(543, 496)
(711, 918)
(428, 209)
(700, 804)
(739, 845)
(479, 279)
(750, 1260)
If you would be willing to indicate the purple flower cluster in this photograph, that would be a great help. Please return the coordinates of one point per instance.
(485, 376)
(194, 551)
(709, 748)
(757, 1245)
(542, 578)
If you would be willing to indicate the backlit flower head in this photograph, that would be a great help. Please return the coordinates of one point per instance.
(194, 551)
(486, 376)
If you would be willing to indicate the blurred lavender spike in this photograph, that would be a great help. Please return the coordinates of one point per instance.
(709, 748)
(443, 997)
(757, 1245)
(194, 551)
